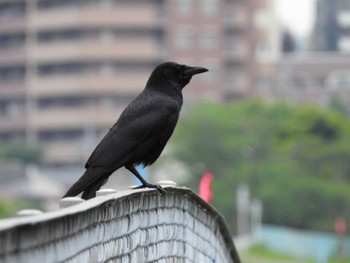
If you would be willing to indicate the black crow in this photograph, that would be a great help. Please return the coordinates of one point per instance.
(141, 132)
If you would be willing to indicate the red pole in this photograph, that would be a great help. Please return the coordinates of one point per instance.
(205, 187)
(340, 229)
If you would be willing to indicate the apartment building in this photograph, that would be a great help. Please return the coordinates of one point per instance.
(319, 77)
(313, 78)
(332, 26)
(68, 67)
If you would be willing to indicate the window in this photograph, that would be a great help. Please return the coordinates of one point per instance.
(49, 4)
(343, 18)
(12, 41)
(107, 36)
(15, 109)
(184, 7)
(208, 39)
(9, 10)
(12, 108)
(12, 74)
(184, 38)
(67, 68)
(210, 7)
(107, 70)
(106, 3)
(107, 103)
(65, 35)
(71, 102)
(344, 44)
(60, 135)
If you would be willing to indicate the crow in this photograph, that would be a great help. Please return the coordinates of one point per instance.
(141, 132)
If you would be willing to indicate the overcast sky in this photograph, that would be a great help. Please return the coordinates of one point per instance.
(297, 15)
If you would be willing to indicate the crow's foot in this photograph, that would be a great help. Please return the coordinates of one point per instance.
(160, 189)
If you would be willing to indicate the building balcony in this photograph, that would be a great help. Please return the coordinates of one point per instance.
(237, 82)
(343, 19)
(236, 17)
(12, 123)
(237, 53)
(236, 22)
(66, 152)
(74, 118)
(143, 16)
(13, 25)
(12, 56)
(119, 50)
(258, 3)
(12, 89)
(93, 84)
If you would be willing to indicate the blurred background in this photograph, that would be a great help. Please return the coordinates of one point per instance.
(269, 121)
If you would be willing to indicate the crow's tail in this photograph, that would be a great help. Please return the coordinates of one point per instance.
(89, 183)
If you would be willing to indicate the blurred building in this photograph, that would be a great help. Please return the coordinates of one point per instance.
(316, 78)
(25, 182)
(320, 77)
(68, 67)
(332, 26)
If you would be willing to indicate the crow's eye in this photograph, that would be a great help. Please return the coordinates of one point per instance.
(178, 68)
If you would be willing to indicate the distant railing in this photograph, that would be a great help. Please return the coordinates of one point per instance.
(298, 243)
(127, 226)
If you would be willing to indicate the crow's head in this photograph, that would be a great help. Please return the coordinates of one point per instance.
(178, 74)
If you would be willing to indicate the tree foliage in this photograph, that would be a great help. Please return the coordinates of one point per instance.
(9, 207)
(294, 158)
(20, 151)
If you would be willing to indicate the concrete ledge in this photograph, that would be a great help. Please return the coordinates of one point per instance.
(135, 225)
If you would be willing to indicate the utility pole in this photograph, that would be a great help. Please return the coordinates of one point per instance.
(243, 208)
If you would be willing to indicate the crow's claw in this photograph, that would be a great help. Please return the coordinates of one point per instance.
(160, 189)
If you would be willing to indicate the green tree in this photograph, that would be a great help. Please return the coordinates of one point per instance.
(8, 208)
(295, 158)
(20, 151)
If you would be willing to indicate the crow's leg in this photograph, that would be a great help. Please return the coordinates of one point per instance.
(145, 184)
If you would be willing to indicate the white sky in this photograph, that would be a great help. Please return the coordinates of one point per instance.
(297, 15)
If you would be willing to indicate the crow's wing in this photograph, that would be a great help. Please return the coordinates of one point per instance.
(141, 122)
(142, 130)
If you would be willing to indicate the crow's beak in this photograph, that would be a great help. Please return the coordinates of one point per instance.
(195, 70)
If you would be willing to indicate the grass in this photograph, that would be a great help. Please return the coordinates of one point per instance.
(260, 254)
(263, 252)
